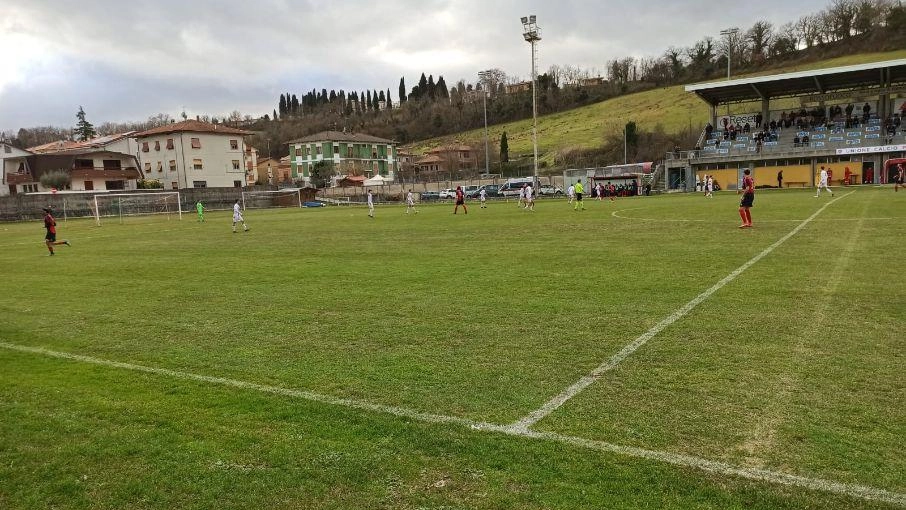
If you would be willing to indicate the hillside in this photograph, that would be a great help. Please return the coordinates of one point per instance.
(670, 107)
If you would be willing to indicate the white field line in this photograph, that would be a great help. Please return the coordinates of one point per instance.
(616, 214)
(685, 461)
(554, 403)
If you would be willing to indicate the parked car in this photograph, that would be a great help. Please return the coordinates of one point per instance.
(490, 191)
(513, 187)
(470, 191)
(447, 193)
(425, 196)
(547, 189)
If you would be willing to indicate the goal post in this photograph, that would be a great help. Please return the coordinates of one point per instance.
(121, 205)
(290, 197)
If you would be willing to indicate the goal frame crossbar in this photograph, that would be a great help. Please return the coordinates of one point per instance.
(273, 193)
(162, 194)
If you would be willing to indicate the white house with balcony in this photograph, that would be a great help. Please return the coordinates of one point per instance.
(194, 154)
(9, 163)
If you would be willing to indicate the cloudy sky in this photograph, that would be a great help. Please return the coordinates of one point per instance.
(129, 60)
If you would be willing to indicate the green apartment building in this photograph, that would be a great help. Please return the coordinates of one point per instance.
(350, 153)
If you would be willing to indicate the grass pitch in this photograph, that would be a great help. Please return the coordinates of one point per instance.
(794, 367)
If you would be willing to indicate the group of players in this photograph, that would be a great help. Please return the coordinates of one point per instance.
(526, 201)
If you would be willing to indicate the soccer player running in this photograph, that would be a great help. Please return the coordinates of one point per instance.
(460, 200)
(237, 218)
(50, 224)
(370, 204)
(529, 199)
(822, 183)
(748, 198)
(200, 208)
(483, 196)
(709, 187)
(521, 201)
(410, 203)
(901, 176)
(579, 191)
(570, 193)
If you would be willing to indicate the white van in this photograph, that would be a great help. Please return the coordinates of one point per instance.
(512, 187)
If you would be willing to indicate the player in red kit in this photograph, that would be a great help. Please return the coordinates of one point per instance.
(748, 198)
(460, 200)
(50, 224)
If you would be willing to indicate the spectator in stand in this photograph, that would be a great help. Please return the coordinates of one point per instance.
(805, 141)
(758, 119)
(849, 110)
(747, 128)
(717, 143)
(708, 130)
(866, 112)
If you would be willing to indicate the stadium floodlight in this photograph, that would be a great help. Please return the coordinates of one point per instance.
(288, 197)
(483, 76)
(532, 34)
(729, 33)
(136, 204)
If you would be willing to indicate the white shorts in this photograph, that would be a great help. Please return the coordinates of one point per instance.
(237, 218)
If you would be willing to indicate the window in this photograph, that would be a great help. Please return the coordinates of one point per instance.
(157, 145)
(29, 188)
(172, 165)
(84, 163)
(89, 185)
(196, 143)
(169, 144)
(235, 164)
(234, 145)
(145, 147)
(237, 184)
(298, 152)
(174, 185)
(112, 164)
(196, 164)
(336, 149)
(319, 148)
(373, 152)
(147, 167)
(349, 151)
(160, 166)
(115, 185)
(199, 184)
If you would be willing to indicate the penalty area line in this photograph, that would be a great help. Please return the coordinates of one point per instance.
(679, 460)
(558, 400)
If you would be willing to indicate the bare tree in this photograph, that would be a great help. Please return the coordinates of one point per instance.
(759, 38)
(808, 29)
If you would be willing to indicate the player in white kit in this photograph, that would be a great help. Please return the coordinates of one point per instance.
(822, 183)
(237, 218)
(410, 203)
(370, 205)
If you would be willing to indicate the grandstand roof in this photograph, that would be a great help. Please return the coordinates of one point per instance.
(803, 83)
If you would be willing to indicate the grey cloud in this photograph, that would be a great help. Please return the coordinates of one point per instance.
(136, 59)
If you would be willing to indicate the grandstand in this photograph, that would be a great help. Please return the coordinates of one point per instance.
(846, 118)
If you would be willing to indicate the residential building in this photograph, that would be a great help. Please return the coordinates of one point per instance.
(89, 169)
(449, 158)
(350, 153)
(274, 172)
(194, 154)
(9, 153)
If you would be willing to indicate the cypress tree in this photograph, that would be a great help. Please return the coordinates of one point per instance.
(504, 149)
(402, 90)
(282, 105)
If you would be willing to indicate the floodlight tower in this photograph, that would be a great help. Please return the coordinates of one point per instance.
(483, 76)
(532, 34)
(729, 33)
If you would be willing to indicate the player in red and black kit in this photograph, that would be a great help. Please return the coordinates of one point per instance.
(51, 225)
(901, 176)
(748, 198)
(460, 200)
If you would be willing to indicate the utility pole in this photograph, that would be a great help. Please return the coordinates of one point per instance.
(483, 76)
(532, 35)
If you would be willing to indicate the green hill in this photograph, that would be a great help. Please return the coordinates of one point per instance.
(670, 107)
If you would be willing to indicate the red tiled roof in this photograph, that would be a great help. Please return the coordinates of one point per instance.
(193, 126)
(59, 145)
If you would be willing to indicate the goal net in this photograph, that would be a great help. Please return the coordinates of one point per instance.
(117, 206)
(290, 197)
